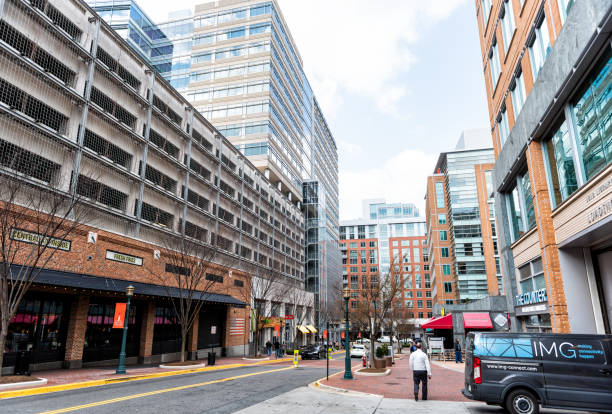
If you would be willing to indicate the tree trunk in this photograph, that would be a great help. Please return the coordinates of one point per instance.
(3, 333)
(183, 343)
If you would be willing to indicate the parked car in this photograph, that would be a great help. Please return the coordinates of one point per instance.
(523, 371)
(386, 340)
(314, 352)
(358, 351)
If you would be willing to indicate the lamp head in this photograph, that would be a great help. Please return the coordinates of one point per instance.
(346, 292)
(129, 290)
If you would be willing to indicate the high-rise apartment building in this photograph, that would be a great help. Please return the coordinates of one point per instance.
(391, 239)
(93, 120)
(237, 63)
(461, 229)
(548, 73)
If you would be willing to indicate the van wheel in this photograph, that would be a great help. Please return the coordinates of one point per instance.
(522, 402)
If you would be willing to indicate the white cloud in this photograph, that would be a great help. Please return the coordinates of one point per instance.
(361, 46)
(402, 178)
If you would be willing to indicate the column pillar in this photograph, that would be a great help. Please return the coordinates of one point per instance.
(75, 338)
(192, 339)
(146, 334)
(548, 242)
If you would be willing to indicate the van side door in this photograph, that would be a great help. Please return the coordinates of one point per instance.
(577, 371)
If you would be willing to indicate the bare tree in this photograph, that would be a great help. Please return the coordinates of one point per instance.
(299, 300)
(189, 276)
(261, 285)
(377, 298)
(36, 221)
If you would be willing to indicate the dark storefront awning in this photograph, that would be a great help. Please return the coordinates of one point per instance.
(80, 281)
(479, 320)
(443, 322)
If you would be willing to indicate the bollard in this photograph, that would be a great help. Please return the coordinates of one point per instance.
(295, 357)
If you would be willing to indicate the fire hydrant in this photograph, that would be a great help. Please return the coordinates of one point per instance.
(364, 360)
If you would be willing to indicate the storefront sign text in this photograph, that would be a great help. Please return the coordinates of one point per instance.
(535, 296)
(600, 189)
(39, 239)
(123, 258)
(600, 211)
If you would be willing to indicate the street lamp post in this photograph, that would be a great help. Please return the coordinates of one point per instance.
(347, 358)
(129, 291)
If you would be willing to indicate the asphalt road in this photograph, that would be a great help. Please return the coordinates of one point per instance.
(219, 392)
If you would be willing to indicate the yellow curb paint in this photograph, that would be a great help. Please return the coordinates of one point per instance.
(162, 391)
(96, 383)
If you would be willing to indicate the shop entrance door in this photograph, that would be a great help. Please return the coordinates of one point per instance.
(604, 276)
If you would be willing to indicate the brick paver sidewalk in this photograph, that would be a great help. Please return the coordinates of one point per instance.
(445, 384)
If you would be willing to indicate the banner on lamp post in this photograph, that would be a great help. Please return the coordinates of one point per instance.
(119, 318)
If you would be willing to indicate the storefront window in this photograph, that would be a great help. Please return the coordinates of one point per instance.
(166, 331)
(592, 111)
(38, 326)
(102, 342)
(532, 276)
(559, 155)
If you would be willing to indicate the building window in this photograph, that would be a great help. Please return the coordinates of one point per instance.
(506, 17)
(443, 235)
(520, 204)
(502, 124)
(517, 90)
(539, 45)
(564, 8)
(531, 276)
(444, 251)
(446, 269)
(485, 9)
(439, 195)
(448, 287)
(494, 65)
(559, 159)
(592, 112)
(441, 218)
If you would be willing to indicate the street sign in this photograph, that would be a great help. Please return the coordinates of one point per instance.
(288, 317)
(119, 317)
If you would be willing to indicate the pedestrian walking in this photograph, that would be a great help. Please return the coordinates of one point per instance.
(277, 348)
(421, 371)
(458, 357)
(269, 347)
(413, 347)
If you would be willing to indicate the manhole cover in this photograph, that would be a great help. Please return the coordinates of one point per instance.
(392, 383)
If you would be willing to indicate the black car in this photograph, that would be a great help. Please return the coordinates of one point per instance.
(523, 371)
(313, 352)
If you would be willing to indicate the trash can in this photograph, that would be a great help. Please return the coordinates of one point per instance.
(22, 363)
(211, 358)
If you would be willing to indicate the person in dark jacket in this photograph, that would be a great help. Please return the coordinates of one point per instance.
(277, 348)
(269, 348)
(458, 357)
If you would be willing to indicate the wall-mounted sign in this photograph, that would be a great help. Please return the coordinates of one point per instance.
(534, 296)
(531, 309)
(40, 239)
(92, 237)
(600, 211)
(288, 317)
(213, 329)
(123, 258)
(500, 320)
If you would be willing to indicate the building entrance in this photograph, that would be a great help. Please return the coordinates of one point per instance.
(604, 285)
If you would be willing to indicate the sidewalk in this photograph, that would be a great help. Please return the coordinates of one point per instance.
(445, 385)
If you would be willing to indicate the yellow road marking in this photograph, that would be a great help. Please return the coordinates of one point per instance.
(95, 383)
(162, 391)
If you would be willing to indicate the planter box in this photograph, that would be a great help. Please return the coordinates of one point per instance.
(389, 361)
(380, 362)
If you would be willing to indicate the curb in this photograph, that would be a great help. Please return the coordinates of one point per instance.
(118, 380)
(373, 374)
(40, 381)
(182, 367)
(328, 388)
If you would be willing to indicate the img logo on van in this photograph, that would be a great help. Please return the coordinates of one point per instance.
(584, 351)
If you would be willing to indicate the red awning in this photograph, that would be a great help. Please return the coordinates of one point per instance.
(443, 322)
(479, 320)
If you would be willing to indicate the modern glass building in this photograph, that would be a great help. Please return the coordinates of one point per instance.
(457, 196)
(236, 62)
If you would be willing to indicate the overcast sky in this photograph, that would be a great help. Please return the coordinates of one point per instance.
(397, 80)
